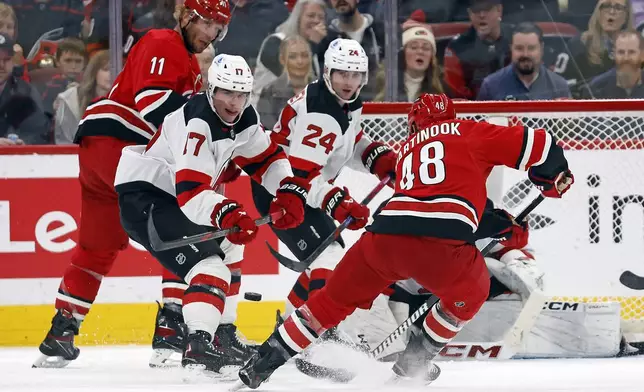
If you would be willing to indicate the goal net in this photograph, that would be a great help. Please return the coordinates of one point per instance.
(586, 240)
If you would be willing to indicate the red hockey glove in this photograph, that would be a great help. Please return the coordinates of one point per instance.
(229, 214)
(230, 173)
(516, 236)
(338, 204)
(555, 187)
(380, 160)
(290, 197)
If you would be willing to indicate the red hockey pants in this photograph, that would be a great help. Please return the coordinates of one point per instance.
(453, 270)
(101, 236)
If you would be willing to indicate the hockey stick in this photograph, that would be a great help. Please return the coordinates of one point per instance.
(632, 280)
(513, 338)
(300, 266)
(159, 245)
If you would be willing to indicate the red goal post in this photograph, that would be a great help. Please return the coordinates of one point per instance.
(587, 239)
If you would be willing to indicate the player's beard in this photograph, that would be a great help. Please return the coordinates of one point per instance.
(186, 38)
(525, 66)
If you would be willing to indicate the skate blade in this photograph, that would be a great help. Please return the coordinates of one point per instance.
(161, 358)
(238, 385)
(413, 381)
(226, 373)
(48, 362)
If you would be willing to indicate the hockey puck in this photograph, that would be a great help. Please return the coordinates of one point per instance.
(253, 296)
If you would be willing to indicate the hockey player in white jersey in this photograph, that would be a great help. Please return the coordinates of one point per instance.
(176, 172)
(320, 130)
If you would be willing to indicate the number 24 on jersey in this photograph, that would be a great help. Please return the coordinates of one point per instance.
(427, 166)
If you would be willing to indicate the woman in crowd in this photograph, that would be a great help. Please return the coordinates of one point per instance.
(71, 104)
(592, 52)
(295, 58)
(418, 65)
(307, 20)
(8, 27)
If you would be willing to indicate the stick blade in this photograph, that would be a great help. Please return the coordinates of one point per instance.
(631, 280)
(294, 265)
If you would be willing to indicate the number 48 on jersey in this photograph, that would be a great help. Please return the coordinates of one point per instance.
(426, 166)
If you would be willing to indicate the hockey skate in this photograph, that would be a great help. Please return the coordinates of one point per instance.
(201, 355)
(58, 348)
(227, 340)
(262, 364)
(415, 364)
(169, 337)
(334, 336)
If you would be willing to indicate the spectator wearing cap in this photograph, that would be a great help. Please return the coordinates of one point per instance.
(420, 72)
(480, 51)
(625, 80)
(592, 52)
(351, 23)
(22, 119)
(526, 78)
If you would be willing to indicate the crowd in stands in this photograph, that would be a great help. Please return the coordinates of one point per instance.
(54, 57)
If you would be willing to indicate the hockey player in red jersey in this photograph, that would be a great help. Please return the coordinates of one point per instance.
(176, 172)
(426, 231)
(159, 75)
(320, 130)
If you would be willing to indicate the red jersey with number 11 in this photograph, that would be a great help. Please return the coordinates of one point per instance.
(442, 171)
(157, 79)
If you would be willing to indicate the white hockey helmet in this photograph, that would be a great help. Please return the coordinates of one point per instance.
(345, 55)
(230, 73)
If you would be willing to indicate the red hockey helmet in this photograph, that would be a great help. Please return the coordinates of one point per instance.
(428, 109)
(216, 10)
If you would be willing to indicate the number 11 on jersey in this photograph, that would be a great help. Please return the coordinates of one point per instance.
(429, 167)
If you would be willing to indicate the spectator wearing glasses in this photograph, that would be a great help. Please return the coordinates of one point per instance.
(480, 51)
(526, 78)
(625, 80)
(592, 53)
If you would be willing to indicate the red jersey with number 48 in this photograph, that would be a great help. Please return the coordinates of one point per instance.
(442, 171)
(157, 79)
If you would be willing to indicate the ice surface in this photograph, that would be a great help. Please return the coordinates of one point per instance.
(125, 369)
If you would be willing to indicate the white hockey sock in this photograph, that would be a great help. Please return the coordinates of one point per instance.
(204, 300)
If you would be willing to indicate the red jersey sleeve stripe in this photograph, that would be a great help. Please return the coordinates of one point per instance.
(543, 141)
(303, 168)
(257, 165)
(288, 113)
(359, 136)
(186, 191)
(280, 139)
(189, 175)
